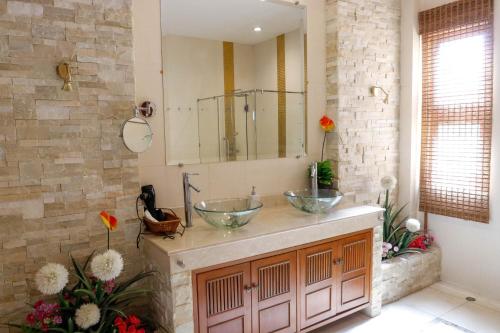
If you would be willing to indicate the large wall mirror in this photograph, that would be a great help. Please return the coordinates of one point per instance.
(235, 79)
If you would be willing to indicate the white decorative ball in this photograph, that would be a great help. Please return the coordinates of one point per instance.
(51, 279)
(413, 225)
(107, 266)
(87, 315)
(388, 183)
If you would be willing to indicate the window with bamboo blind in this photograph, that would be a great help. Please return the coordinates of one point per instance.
(457, 101)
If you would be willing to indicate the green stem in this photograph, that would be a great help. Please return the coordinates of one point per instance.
(108, 239)
(323, 146)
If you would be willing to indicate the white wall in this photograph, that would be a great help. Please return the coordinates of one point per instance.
(190, 64)
(294, 68)
(267, 103)
(271, 177)
(470, 250)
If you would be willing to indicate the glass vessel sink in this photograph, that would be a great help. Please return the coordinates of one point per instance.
(229, 213)
(315, 203)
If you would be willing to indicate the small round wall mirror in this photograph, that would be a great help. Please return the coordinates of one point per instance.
(137, 134)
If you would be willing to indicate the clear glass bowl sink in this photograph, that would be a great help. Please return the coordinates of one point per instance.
(315, 203)
(229, 213)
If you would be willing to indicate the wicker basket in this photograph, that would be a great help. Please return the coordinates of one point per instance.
(169, 226)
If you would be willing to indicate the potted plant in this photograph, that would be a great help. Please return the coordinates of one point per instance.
(96, 303)
(400, 235)
(326, 176)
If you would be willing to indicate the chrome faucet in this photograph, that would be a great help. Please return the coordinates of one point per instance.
(314, 178)
(188, 208)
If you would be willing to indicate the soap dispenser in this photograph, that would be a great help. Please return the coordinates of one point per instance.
(253, 195)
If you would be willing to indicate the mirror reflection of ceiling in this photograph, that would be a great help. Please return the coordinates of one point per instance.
(210, 19)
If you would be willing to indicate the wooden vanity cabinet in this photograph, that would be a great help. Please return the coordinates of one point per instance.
(274, 294)
(286, 293)
(354, 265)
(224, 300)
(318, 294)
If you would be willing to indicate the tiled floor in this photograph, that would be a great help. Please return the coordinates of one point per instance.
(428, 311)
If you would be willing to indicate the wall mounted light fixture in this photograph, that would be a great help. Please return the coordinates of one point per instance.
(377, 91)
(65, 74)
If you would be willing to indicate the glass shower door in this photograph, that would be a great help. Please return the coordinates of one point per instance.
(244, 112)
(209, 129)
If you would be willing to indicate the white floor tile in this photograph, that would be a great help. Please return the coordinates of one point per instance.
(475, 318)
(393, 319)
(428, 311)
(433, 301)
(441, 326)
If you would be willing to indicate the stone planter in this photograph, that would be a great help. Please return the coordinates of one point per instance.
(410, 273)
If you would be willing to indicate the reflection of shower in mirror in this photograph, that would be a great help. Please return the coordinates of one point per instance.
(214, 61)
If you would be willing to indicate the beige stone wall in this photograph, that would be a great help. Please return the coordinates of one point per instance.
(363, 45)
(376, 293)
(409, 273)
(61, 159)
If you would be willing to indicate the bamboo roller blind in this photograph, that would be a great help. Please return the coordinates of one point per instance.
(457, 89)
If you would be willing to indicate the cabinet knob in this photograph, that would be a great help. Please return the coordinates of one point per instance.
(247, 288)
(255, 286)
(338, 261)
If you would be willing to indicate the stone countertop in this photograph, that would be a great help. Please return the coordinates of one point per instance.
(271, 230)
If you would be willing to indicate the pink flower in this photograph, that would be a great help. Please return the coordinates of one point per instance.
(44, 316)
(30, 318)
(37, 304)
(109, 286)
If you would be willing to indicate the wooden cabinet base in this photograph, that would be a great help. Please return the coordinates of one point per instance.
(299, 290)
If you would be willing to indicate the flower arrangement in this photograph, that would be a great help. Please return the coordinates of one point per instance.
(325, 171)
(96, 303)
(327, 125)
(401, 235)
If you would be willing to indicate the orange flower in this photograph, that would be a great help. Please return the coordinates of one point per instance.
(109, 220)
(327, 124)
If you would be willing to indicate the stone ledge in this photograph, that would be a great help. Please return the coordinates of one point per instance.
(409, 273)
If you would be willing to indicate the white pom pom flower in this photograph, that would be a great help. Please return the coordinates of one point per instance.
(87, 315)
(51, 279)
(107, 266)
(388, 183)
(413, 225)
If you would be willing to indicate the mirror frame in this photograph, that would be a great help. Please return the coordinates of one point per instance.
(123, 136)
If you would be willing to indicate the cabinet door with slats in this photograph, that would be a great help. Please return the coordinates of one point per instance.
(274, 294)
(224, 300)
(317, 292)
(354, 271)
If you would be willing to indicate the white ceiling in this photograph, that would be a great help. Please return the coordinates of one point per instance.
(230, 20)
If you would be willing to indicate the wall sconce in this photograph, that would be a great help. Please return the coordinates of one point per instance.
(64, 73)
(376, 91)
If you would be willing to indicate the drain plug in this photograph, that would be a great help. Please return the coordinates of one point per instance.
(470, 299)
